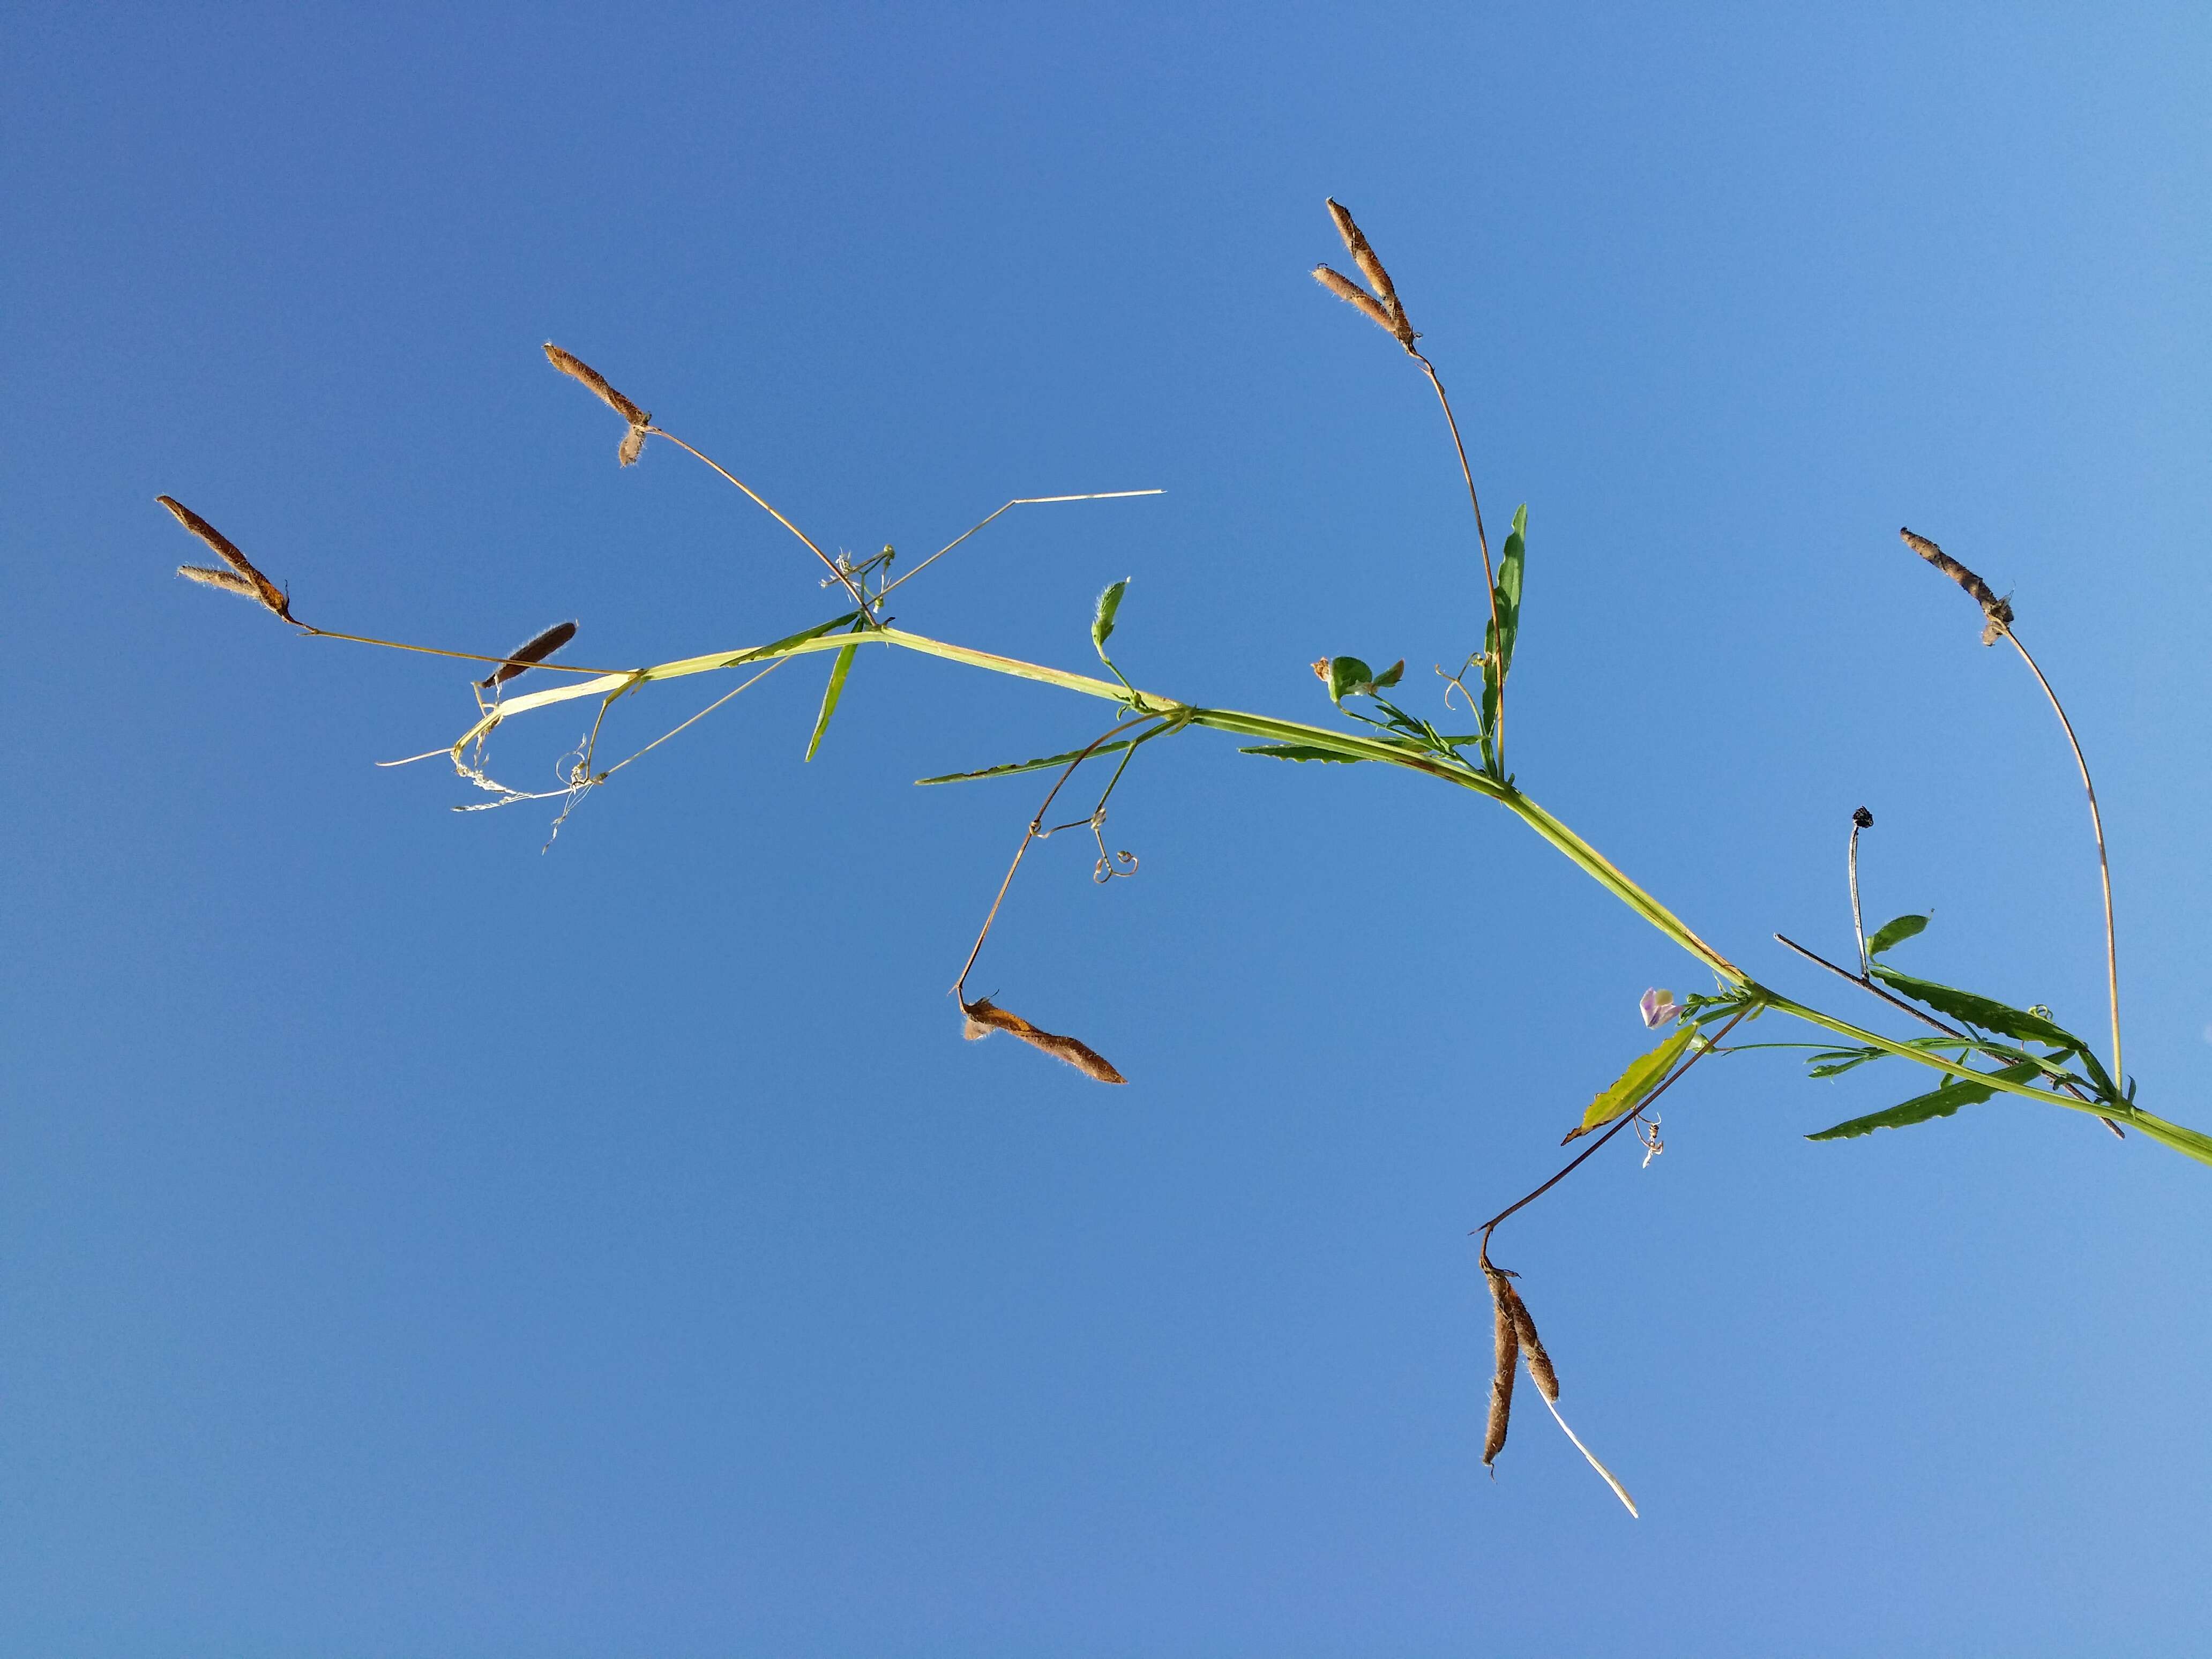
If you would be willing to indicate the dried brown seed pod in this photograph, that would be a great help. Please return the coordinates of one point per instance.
(1532, 1347)
(1508, 1338)
(633, 446)
(1393, 313)
(985, 1017)
(1355, 243)
(1997, 611)
(535, 650)
(226, 581)
(575, 367)
(1351, 293)
(249, 581)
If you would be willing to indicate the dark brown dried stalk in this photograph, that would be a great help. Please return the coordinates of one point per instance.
(985, 1017)
(1508, 1338)
(575, 368)
(1997, 611)
(248, 580)
(536, 650)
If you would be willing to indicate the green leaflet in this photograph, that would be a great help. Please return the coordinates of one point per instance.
(840, 666)
(1939, 1102)
(789, 639)
(1634, 1086)
(1348, 677)
(1101, 624)
(1012, 767)
(1510, 565)
(1894, 932)
(1990, 1015)
(1289, 751)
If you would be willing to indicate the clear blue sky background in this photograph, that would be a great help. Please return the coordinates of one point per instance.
(411, 1243)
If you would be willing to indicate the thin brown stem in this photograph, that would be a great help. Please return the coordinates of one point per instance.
(1707, 1045)
(1489, 576)
(2103, 865)
(829, 564)
(463, 656)
(1036, 832)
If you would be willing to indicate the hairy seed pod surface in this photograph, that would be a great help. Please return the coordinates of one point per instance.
(576, 369)
(1998, 611)
(985, 1017)
(1508, 1338)
(535, 650)
(1531, 1347)
(254, 583)
(1352, 295)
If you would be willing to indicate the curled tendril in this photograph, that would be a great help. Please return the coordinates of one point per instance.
(1104, 869)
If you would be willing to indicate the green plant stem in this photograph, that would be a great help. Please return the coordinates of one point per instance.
(1359, 747)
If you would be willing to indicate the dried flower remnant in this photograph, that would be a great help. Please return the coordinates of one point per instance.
(985, 1017)
(1658, 1007)
(241, 577)
(1997, 611)
(535, 650)
(575, 368)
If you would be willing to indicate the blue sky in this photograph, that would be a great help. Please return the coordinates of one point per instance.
(410, 1242)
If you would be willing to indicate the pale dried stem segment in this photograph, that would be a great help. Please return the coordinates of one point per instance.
(241, 577)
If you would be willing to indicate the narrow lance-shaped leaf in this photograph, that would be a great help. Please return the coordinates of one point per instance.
(1289, 751)
(1102, 622)
(1985, 1012)
(1037, 765)
(787, 641)
(1510, 565)
(840, 666)
(1894, 932)
(1634, 1086)
(1939, 1102)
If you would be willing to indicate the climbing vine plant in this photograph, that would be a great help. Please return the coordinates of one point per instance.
(1978, 1047)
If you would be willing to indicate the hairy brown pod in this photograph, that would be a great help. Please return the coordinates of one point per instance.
(1998, 611)
(535, 650)
(576, 369)
(1508, 1338)
(1392, 313)
(1532, 1347)
(985, 1017)
(248, 581)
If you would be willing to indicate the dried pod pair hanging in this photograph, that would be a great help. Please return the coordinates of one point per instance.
(1382, 303)
(241, 577)
(1518, 1341)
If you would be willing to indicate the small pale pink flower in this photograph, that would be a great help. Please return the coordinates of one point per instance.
(1659, 1007)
